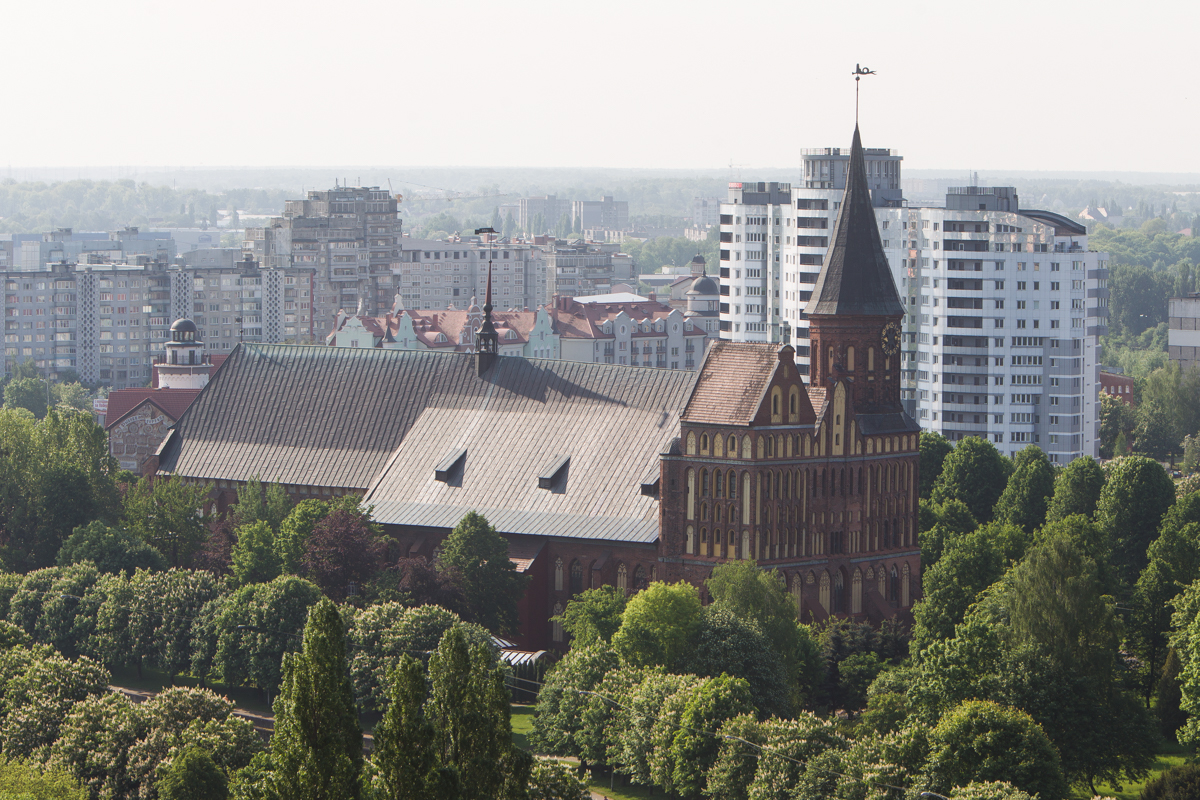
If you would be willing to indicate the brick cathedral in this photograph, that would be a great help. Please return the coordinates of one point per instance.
(607, 474)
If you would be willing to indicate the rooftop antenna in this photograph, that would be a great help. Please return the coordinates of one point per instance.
(859, 71)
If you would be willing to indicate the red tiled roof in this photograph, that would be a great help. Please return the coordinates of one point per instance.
(172, 402)
(731, 383)
(579, 321)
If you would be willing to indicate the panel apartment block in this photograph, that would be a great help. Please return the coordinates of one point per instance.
(1004, 305)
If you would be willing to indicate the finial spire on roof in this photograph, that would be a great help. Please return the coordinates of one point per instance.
(856, 278)
(487, 343)
(859, 71)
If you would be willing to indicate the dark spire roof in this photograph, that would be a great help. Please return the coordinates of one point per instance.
(856, 278)
(486, 338)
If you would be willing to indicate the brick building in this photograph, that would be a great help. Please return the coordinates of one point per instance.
(602, 473)
(138, 419)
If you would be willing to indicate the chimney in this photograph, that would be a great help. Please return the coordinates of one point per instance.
(652, 296)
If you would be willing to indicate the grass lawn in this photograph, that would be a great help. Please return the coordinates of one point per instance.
(522, 725)
(1170, 755)
(619, 792)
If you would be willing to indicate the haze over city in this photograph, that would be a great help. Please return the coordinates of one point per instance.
(1028, 86)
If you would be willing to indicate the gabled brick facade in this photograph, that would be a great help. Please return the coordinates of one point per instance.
(801, 490)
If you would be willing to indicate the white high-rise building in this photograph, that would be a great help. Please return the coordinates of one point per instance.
(1005, 306)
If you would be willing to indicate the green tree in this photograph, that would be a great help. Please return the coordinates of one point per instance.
(1057, 601)
(254, 556)
(1155, 434)
(1191, 453)
(292, 539)
(404, 758)
(788, 747)
(1180, 782)
(726, 644)
(554, 780)
(317, 744)
(1028, 492)
(981, 741)
(1076, 490)
(1168, 698)
(382, 633)
(250, 506)
(469, 708)
(934, 449)
(163, 610)
(1136, 494)
(658, 625)
(110, 549)
(63, 456)
(490, 580)
(277, 504)
(1117, 420)
(969, 564)
(27, 393)
(558, 715)
(1063, 662)
(940, 524)
(41, 696)
(243, 637)
(990, 790)
(1173, 562)
(593, 616)
(71, 396)
(761, 597)
(168, 514)
(730, 776)
(976, 473)
(694, 748)
(193, 775)
(27, 780)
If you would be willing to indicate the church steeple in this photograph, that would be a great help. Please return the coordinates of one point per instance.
(856, 278)
(487, 341)
(855, 311)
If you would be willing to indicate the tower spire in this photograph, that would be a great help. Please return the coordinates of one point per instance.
(487, 342)
(856, 278)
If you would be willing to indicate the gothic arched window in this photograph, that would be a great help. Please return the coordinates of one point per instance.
(576, 577)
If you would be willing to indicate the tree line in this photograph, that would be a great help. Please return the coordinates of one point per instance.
(1059, 606)
(445, 731)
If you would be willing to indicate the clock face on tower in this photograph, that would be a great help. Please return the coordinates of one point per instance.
(891, 338)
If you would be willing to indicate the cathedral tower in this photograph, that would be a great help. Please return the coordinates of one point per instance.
(855, 312)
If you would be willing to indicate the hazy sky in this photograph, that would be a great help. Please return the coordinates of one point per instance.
(612, 83)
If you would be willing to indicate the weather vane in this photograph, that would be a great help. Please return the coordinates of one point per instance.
(859, 71)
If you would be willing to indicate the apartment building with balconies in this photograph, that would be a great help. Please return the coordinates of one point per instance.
(348, 237)
(1005, 306)
(434, 273)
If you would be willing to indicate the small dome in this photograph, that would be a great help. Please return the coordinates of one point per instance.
(705, 285)
(184, 325)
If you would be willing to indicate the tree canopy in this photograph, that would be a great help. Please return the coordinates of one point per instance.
(976, 473)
